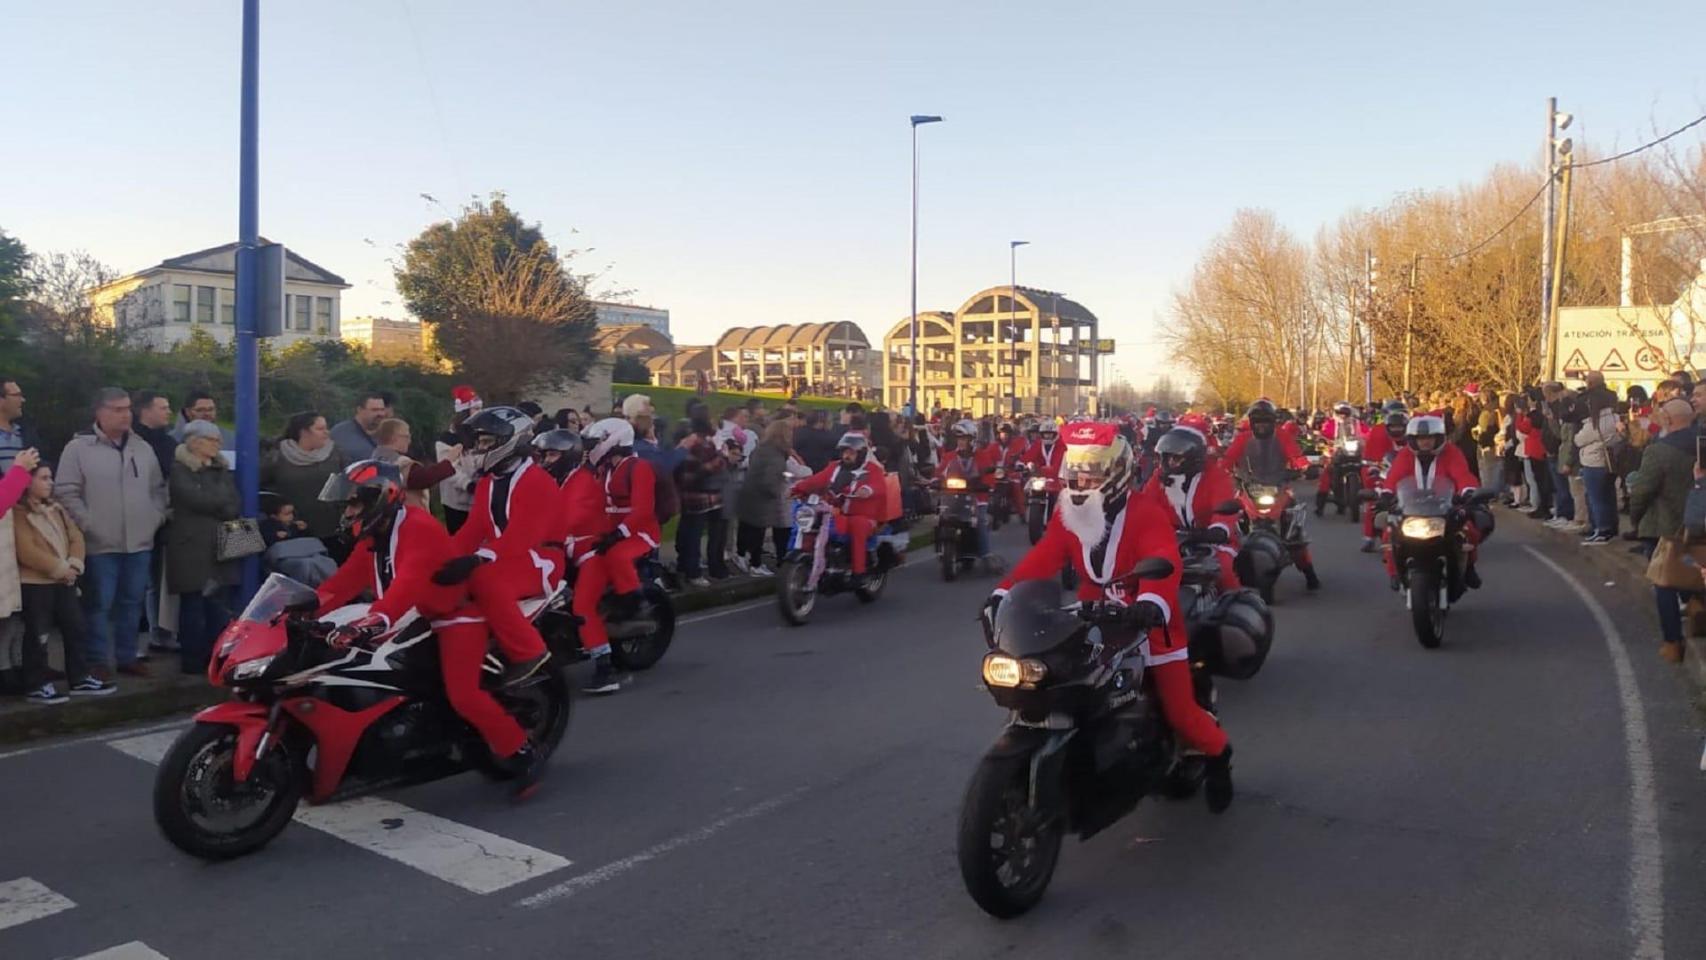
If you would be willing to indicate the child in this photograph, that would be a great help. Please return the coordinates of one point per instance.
(290, 550)
(280, 523)
(50, 558)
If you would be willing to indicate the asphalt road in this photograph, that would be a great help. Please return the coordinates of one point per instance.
(792, 792)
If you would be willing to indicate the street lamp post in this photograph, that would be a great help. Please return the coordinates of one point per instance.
(912, 392)
(1013, 320)
(248, 291)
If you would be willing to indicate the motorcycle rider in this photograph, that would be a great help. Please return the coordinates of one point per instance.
(1266, 455)
(1432, 464)
(856, 482)
(579, 519)
(398, 550)
(1382, 443)
(1044, 456)
(1189, 484)
(505, 552)
(629, 532)
(1012, 447)
(976, 466)
(1103, 530)
(1343, 428)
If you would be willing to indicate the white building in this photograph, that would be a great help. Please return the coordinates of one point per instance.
(387, 340)
(626, 315)
(160, 307)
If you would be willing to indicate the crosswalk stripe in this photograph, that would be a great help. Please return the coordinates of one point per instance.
(134, 950)
(24, 899)
(466, 856)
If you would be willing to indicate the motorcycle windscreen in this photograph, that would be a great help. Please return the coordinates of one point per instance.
(279, 594)
(1031, 622)
(1415, 500)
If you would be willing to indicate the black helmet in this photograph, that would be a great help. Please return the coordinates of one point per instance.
(1261, 411)
(373, 486)
(1165, 420)
(1396, 421)
(858, 444)
(509, 430)
(566, 444)
(1284, 415)
(1182, 450)
(1395, 406)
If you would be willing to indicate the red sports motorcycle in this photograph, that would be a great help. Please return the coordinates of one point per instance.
(307, 718)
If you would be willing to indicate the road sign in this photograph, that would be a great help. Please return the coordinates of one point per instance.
(1613, 362)
(1609, 338)
(1577, 364)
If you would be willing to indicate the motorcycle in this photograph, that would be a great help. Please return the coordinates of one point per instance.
(636, 643)
(1085, 739)
(1346, 477)
(1000, 499)
(306, 718)
(1426, 541)
(820, 561)
(956, 526)
(1041, 494)
(1272, 525)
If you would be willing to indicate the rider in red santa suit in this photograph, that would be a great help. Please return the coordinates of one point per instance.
(505, 554)
(1012, 448)
(398, 550)
(1381, 443)
(1265, 454)
(1430, 463)
(1341, 429)
(1189, 485)
(630, 532)
(855, 482)
(579, 520)
(1044, 456)
(1103, 529)
(962, 458)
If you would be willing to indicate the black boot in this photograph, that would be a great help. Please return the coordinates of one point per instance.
(1471, 579)
(517, 672)
(1217, 781)
(1310, 580)
(1320, 503)
(528, 765)
(604, 678)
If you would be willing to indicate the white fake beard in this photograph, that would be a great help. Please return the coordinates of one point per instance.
(1086, 521)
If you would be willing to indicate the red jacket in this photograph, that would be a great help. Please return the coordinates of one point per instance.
(399, 573)
(1142, 530)
(579, 519)
(1330, 429)
(980, 476)
(864, 494)
(1449, 465)
(1533, 439)
(630, 493)
(1046, 460)
(1380, 443)
(530, 516)
(1288, 446)
(1211, 487)
(1015, 452)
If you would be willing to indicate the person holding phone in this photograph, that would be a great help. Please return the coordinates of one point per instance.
(1662, 496)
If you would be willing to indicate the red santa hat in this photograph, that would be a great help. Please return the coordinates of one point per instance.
(466, 400)
(1090, 434)
(1472, 389)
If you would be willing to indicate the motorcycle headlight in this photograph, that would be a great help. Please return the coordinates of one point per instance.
(1351, 446)
(954, 483)
(1423, 528)
(1000, 670)
(1265, 500)
(1039, 483)
(249, 669)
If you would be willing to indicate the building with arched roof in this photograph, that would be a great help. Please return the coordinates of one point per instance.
(642, 341)
(1004, 350)
(828, 359)
(682, 367)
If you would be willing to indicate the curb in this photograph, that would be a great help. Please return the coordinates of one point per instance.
(179, 694)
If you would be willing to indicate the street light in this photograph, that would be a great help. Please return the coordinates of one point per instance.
(1012, 319)
(912, 393)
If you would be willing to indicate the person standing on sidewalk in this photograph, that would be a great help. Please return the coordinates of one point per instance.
(153, 418)
(1597, 440)
(1537, 469)
(110, 481)
(702, 535)
(204, 496)
(50, 559)
(354, 437)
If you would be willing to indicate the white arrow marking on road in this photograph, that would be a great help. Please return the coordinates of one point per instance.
(134, 950)
(24, 899)
(1646, 851)
(466, 856)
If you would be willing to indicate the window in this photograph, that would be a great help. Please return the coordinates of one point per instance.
(181, 302)
(322, 314)
(228, 307)
(304, 306)
(204, 304)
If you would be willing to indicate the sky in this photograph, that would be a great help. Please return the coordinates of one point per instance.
(744, 163)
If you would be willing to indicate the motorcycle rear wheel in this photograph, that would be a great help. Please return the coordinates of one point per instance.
(542, 705)
(1425, 614)
(195, 778)
(874, 588)
(1007, 851)
(643, 652)
(792, 598)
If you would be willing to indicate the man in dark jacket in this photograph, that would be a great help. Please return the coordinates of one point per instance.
(153, 423)
(815, 442)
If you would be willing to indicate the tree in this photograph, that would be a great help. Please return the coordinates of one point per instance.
(505, 310)
(630, 369)
(62, 282)
(15, 282)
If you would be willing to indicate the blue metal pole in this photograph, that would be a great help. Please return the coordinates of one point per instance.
(248, 291)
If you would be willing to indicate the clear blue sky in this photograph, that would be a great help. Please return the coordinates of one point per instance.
(747, 163)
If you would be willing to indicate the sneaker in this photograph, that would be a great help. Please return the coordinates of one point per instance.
(517, 672)
(92, 686)
(46, 693)
(740, 564)
(604, 679)
(762, 571)
(1597, 540)
(698, 582)
(528, 764)
(1558, 523)
(1368, 544)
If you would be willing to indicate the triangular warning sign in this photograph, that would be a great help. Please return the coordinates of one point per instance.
(1576, 362)
(1614, 362)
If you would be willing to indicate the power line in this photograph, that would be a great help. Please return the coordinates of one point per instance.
(1647, 146)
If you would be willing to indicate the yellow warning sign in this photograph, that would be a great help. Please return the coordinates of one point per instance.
(1576, 364)
(1614, 362)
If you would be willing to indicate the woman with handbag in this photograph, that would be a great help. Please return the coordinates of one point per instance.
(204, 542)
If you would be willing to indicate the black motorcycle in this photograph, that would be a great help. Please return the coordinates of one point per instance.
(956, 525)
(1085, 738)
(1346, 478)
(1425, 535)
(1041, 494)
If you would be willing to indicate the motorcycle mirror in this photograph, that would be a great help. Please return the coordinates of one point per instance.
(1227, 506)
(1153, 568)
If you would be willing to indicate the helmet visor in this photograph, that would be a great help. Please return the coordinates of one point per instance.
(1087, 468)
(337, 489)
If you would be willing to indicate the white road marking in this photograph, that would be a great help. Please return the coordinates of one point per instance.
(1646, 893)
(134, 950)
(23, 900)
(574, 885)
(150, 747)
(466, 856)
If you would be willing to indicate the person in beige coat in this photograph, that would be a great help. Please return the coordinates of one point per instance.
(50, 556)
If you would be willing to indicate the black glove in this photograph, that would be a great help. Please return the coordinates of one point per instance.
(458, 570)
(1145, 614)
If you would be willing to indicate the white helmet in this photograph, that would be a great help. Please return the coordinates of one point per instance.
(609, 434)
(965, 428)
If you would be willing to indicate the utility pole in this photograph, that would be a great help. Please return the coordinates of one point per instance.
(1371, 278)
(248, 288)
(912, 365)
(1410, 323)
(1551, 209)
(1549, 349)
(1013, 322)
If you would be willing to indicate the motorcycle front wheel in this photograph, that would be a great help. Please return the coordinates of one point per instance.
(205, 813)
(950, 559)
(1425, 613)
(1007, 849)
(792, 597)
(1036, 521)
